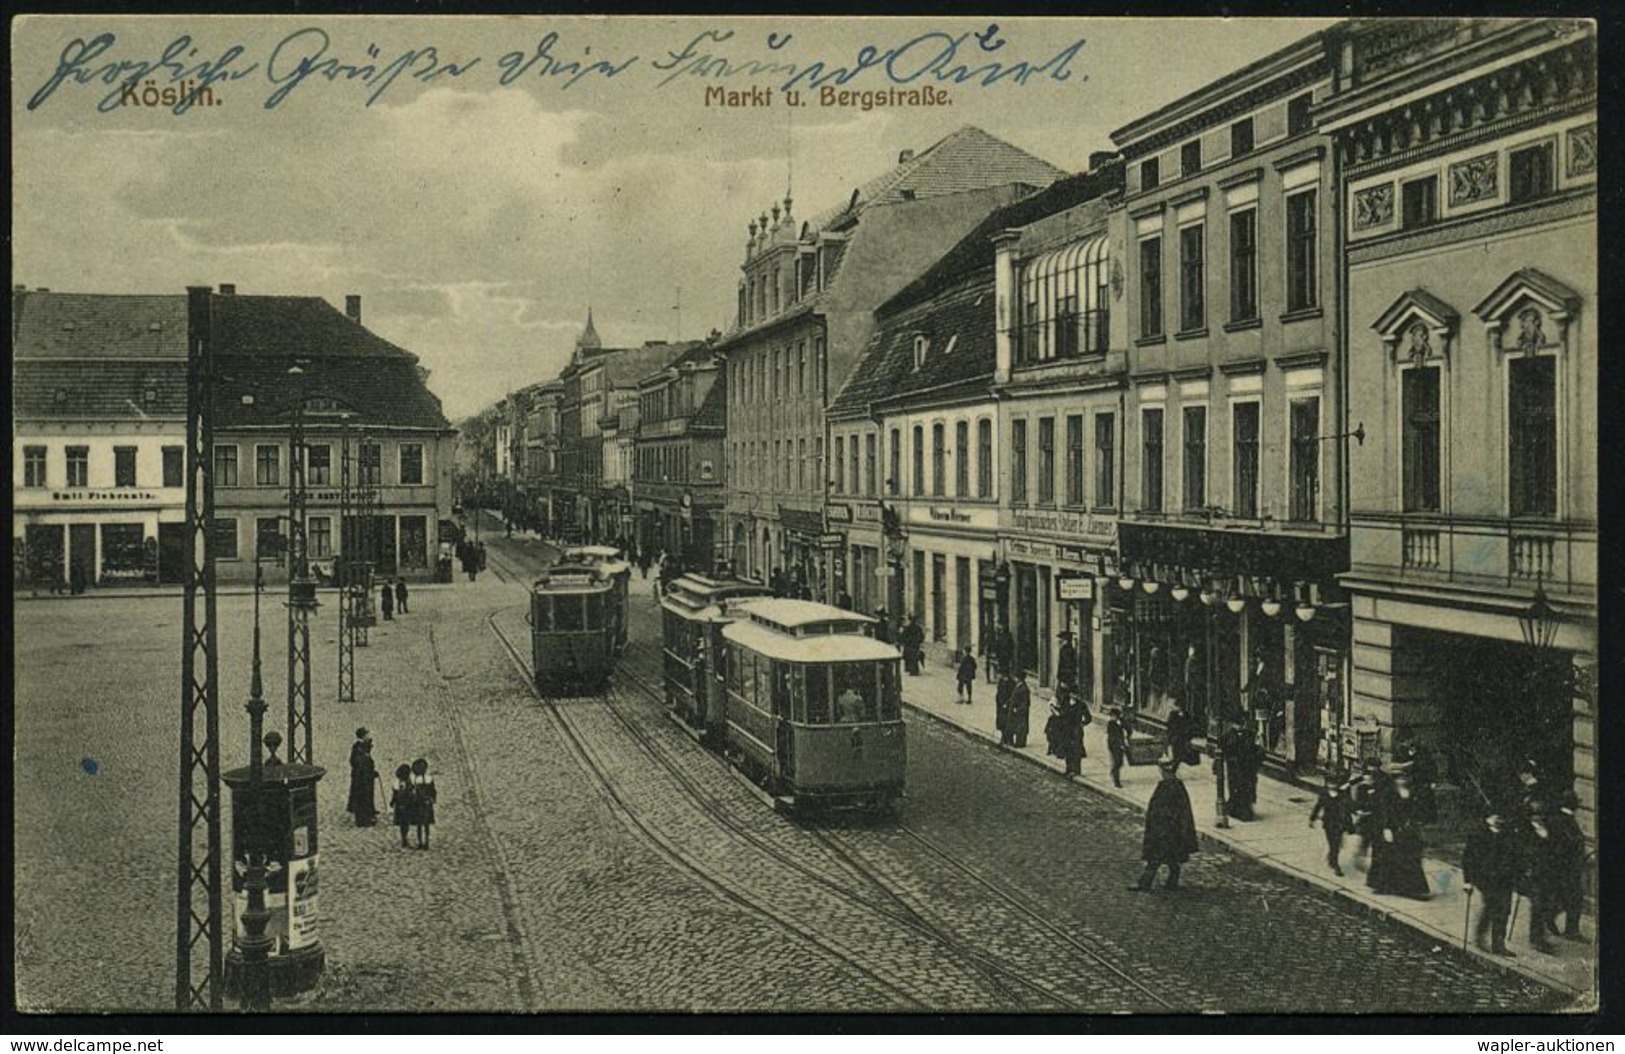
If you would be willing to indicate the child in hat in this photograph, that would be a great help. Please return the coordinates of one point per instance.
(424, 795)
(401, 800)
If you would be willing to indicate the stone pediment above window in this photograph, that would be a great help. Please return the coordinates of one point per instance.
(1528, 313)
(1418, 326)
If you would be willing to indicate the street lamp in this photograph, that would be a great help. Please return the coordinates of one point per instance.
(254, 945)
(1539, 621)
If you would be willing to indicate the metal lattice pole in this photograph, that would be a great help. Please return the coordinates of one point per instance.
(301, 592)
(347, 628)
(198, 887)
(365, 517)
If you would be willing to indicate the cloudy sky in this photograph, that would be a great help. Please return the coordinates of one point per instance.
(478, 219)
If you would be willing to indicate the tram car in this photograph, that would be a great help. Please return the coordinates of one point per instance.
(612, 563)
(814, 705)
(694, 609)
(575, 620)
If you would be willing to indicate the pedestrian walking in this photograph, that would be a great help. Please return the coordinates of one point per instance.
(1069, 715)
(423, 799)
(1117, 744)
(1242, 759)
(1567, 868)
(78, 578)
(363, 773)
(882, 626)
(912, 639)
(1363, 818)
(1540, 874)
(1181, 730)
(967, 676)
(1021, 702)
(1170, 828)
(400, 595)
(479, 551)
(1001, 706)
(403, 801)
(1490, 866)
(1066, 662)
(386, 602)
(1336, 816)
(1396, 855)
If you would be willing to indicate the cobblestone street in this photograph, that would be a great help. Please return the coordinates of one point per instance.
(997, 887)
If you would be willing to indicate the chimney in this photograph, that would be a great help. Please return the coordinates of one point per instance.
(228, 289)
(1099, 158)
(905, 157)
(352, 307)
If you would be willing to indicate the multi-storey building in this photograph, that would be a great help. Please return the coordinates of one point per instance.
(541, 470)
(609, 418)
(1232, 451)
(678, 479)
(805, 317)
(98, 436)
(1468, 157)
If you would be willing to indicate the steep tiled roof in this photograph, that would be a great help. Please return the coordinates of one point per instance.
(294, 325)
(376, 391)
(94, 325)
(111, 390)
(974, 252)
(628, 366)
(959, 327)
(967, 159)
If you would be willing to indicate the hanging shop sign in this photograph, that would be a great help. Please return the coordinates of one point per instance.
(1075, 587)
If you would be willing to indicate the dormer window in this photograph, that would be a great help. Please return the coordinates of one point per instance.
(150, 396)
(922, 344)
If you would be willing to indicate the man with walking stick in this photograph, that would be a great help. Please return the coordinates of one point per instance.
(1490, 864)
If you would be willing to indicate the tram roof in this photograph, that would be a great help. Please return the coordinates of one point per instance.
(798, 617)
(598, 552)
(826, 648)
(705, 588)
(571, 578)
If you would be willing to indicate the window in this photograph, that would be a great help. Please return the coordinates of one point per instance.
(1046, 460)
(777, 369)
(78, 466)
(870, 465)
(1105, 445)
(1195, 458)
(1065, 297)
(268, 540)
(1297, 113)
(33, 466)
(174, 466)
(1244, 446)
(1419, 202)
(962, 459)
(1244, 265)
(984, 458)
(840, 462)
(225, 535)
(852, 477)
(895, 480)
(411, 464)
(1192, 310)
(124, 466)
(1532, 457)
(919, 461)
(319, 465)
(818, 457)
(1150, 175)
(1018, 462)
(1241, 137)
(801, 371)
(1530, 170)
(803, 483)
(939, 597)
(939, 457)
(267, 466)
(1190, 158)
(922, 344)
(1419, 394)
(1151, 287)
(1305, 455)
(370, 462)
(225, 466)
(1151, 464)
(1300, 251)
(1074, 459)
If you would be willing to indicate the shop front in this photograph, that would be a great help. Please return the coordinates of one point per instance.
(801, 557)
(948, 545)
(1052, 565)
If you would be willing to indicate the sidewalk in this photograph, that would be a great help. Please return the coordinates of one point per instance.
(1280, 837)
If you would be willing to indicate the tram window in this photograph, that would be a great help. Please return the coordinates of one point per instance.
(595, 610)
(733, 674)
(782, 689)
(542, 613)
(854, 692)
(891, 696)
(720, 662)
(568, 613)
(816, 680)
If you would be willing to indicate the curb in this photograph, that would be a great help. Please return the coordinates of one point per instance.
(1313, 882)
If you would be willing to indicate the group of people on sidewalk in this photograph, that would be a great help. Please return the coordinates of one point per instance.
(411, 800)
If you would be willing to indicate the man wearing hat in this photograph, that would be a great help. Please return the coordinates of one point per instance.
(1170, 829)
(1066, 663)
(363, 773)
(1490, 865)
(1568, 868)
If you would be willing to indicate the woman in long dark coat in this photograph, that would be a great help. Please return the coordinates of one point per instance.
(1067, 742)
(1001, 705)
(1170, 829)
(363, 773)
(1396, 855)
(1021, 702)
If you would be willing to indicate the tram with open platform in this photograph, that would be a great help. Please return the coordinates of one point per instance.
(577, 628)
(694, 609)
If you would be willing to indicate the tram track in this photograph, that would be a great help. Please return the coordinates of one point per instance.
(595, 765)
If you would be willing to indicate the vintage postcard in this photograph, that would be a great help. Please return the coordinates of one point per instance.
(523, 515)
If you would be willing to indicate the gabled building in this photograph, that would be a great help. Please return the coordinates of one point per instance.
(1468, 155)
(1234, 437)
(805, 317)
(678, 478)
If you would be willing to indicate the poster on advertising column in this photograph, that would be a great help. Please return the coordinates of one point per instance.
(303, 913)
